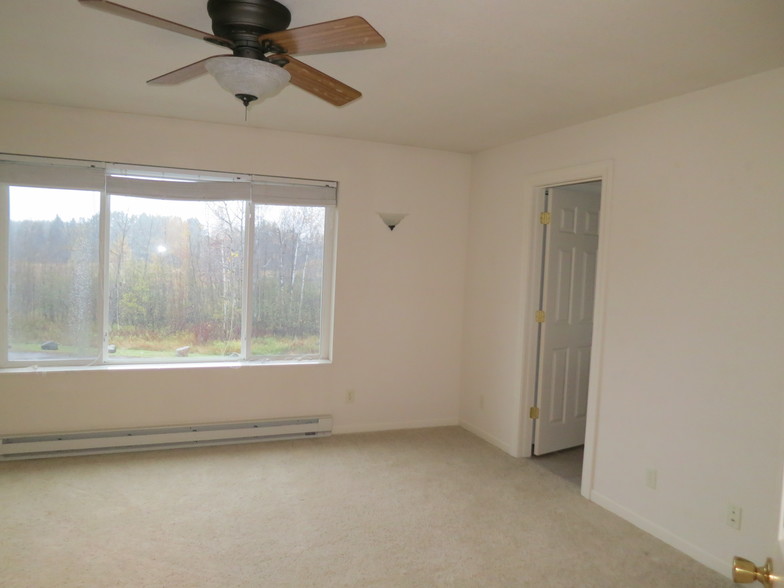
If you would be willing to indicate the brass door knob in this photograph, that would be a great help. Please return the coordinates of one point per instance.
(745, 572)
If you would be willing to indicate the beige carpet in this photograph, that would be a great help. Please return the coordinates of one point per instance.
(434, 507)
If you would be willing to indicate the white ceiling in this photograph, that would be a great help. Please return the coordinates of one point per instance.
(461, 75)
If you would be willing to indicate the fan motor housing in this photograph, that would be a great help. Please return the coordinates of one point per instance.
(241, 20)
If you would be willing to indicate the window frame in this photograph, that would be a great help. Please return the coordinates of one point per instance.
(287, 192)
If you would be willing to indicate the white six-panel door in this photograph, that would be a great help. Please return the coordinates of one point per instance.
(569, 275)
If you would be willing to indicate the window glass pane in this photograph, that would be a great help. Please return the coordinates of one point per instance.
(53, 274)
(175, 279)
(287, 275)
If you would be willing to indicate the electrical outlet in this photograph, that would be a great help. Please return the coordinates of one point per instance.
(351, 395)
(733, 516)
(651, 476)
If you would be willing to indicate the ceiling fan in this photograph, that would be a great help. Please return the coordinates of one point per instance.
(262, 47)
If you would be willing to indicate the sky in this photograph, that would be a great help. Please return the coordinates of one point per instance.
(47, 203)
(44, 204)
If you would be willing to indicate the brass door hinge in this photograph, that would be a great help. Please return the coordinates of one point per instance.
(540, 316)
(534, 412)
(545, 218)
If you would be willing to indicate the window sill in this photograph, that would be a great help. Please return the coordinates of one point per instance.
(39, 369)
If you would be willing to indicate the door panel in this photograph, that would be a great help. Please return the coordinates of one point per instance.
(581, 391)
(571, 243)
(587, 292)
(558, 380)
(562, 294)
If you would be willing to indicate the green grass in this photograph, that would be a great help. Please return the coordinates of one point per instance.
(61, 351)
(137, 346)
(285, 346)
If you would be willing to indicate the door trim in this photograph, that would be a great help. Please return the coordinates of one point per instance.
(533, 189)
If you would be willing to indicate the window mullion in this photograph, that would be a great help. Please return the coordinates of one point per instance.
(247, 280)
(5, 245)
(328, 282)
(103, 278)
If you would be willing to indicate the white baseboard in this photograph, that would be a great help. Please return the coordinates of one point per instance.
(425, 424)
(702, 556)
(492, 439)
(338, 429)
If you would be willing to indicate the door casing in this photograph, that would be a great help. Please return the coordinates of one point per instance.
(533, 189)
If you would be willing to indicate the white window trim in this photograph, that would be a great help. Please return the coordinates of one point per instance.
(303, 192)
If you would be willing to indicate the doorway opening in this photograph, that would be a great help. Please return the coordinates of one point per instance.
(569, 234)
(566, 464)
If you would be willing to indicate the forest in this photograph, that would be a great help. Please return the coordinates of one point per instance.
(174, 283)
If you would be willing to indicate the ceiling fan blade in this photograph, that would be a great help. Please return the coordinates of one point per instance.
(183, 74)
(320, 84)
(149, 19)
(344, 34)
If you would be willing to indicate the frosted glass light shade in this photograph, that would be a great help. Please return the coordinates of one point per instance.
(246, 78)
(392, 219)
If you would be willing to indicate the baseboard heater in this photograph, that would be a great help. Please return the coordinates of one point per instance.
(143, 439)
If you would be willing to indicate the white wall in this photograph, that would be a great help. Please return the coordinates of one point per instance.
(398, 302)
(693, 359)
(692, 366)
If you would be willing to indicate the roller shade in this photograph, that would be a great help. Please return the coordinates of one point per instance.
(50, 174)
(165, 183)
(176, 184)
(301, 193)
(177, 190)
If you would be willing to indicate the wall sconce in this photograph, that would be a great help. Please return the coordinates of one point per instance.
(392, 219)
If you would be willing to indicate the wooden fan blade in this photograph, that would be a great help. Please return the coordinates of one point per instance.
(149, 19)
(344, 34)
(320, 84)
(178, 76)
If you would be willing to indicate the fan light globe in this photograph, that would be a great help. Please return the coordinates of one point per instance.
(248, 79)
